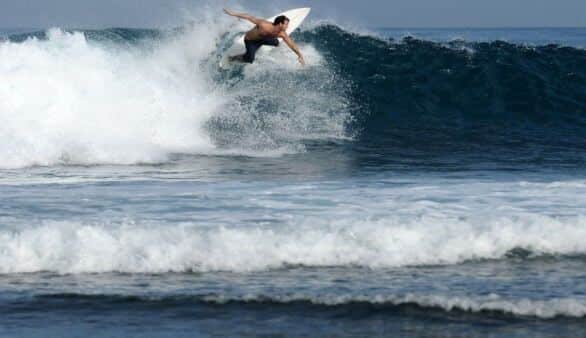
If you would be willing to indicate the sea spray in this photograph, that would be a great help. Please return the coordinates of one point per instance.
(74, 97)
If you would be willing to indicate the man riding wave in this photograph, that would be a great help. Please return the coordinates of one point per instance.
(264, 33)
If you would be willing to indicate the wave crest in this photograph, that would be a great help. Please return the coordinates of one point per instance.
(70, 247)
(491, 304)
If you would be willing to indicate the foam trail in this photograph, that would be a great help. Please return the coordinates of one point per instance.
(71, 247)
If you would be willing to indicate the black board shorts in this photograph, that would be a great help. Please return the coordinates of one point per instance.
(252, 47)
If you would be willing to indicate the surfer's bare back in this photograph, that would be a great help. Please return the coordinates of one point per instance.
(264, 33)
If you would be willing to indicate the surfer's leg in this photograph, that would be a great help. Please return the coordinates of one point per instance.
(251, 49)
(271, 42)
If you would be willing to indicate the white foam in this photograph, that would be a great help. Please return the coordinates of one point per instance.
(336, 240)
(68, 100)
(546, 309)
(73, 101)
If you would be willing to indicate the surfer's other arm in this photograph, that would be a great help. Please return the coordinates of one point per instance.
(293, 47)
(244, 16)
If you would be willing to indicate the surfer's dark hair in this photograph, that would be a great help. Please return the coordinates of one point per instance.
(280, 19)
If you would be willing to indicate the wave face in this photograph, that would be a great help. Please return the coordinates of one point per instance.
(492, 98)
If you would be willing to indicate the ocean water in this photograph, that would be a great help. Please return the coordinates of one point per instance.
(532, 36)
(405, 183)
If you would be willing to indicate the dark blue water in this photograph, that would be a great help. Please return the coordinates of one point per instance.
(531, 36)
(405, 183)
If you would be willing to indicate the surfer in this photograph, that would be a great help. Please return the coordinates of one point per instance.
(264, 33)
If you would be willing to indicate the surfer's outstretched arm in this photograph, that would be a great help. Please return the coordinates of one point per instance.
(293, 47)
(244, 16)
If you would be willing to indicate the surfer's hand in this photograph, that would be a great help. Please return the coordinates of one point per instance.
(228, 12)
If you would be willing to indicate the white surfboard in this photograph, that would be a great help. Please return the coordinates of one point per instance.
(296, 17)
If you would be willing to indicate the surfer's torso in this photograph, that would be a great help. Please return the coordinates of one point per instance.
(262, 31)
